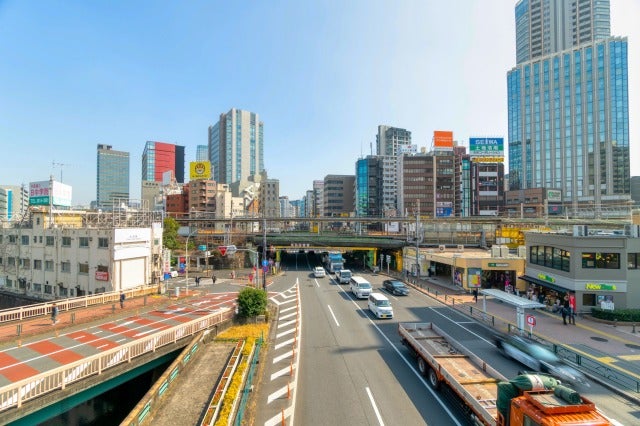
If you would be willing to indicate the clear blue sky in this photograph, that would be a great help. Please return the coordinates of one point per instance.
(322, 75)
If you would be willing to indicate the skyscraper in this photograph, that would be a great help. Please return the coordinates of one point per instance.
(112, 183)
(568, 103)
(202, 153)
(160, 157)
(236, 146)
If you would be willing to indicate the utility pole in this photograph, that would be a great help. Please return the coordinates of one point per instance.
(264, 254)
(418, 241)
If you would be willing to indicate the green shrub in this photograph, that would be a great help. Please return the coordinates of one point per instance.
(622, 315)
(252, 302)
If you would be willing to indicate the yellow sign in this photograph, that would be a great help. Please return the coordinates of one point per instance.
(487, 159)
(599, 286)
(199, 170)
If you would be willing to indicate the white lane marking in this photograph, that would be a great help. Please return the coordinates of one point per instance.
(333, 315)
(465, 328)
(284, 371)
(285, 355)
(290, 308)
(286, 301)
(102, 346)
(280, 393)
(410, 365)
(121, 340)
(277, 419)
(283, 344)
(286, 323)
(274, 300)
(317, 285)
(375, 407)
(284, 333)
(284, 317)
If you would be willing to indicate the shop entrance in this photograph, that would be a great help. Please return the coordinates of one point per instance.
(501, 280)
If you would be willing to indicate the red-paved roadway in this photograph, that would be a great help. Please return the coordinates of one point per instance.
(43, 346)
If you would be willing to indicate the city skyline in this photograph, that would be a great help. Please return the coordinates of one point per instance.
(322, 78)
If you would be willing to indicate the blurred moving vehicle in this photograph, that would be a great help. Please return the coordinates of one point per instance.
(539, 358)
(395, 287)
(318, 272)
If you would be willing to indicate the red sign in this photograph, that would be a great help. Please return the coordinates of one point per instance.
(223, 250)
(102, 276)
(531, 320)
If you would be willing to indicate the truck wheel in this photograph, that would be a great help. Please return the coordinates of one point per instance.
(422, 366)
(433, 379)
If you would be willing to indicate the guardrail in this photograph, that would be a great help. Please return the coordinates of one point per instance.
(608, 373)
(16, 394)
(42, 309)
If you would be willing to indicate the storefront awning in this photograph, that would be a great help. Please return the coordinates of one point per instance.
(512, 299)
(542, 283)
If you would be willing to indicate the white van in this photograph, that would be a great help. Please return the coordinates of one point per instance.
(380, 305)
(360, 287)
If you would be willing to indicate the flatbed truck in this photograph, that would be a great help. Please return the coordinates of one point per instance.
(444, 361)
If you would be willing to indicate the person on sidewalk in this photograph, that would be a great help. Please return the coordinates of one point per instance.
(54, 314)
(572, 309)
(214, 278)
(122, 297)
(197, 281)
(565, 309)
(475, 295)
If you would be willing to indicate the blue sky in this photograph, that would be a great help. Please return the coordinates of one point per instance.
(322, 75)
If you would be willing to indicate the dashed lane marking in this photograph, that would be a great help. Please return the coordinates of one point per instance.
(283, 317)
(280, 373)
(287, 309)
(284, 333)
(283, 344)
(286, 323)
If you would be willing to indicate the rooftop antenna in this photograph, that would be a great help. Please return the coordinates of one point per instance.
(61, 165)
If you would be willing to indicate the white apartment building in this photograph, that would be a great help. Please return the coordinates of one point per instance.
(77, 253)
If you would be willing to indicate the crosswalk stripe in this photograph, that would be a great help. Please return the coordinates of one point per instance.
(286, 370)
(284, 333)
(279, 393)
(285, 355)
(283, 344)
(286, 323)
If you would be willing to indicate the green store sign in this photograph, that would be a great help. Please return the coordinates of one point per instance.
(600, 286)
(546, 278)
(498, 265)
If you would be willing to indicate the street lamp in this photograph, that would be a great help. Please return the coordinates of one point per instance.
(186, 260)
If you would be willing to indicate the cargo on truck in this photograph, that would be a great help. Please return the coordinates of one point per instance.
(491, 399)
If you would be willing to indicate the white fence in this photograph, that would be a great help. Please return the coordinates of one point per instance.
(16, 394)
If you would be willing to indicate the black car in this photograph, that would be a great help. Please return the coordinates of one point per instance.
(395, 287)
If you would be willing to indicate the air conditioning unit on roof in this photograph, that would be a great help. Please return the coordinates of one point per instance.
(460, 247)
(441, 247)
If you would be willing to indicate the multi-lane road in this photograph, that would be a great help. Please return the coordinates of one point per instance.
(353, 368)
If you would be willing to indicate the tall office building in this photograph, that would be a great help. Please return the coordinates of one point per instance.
(202, 153)
(112, 184)
(14, 202)
(568, 103)
(236, 146)
(392, 141)
(160, 157)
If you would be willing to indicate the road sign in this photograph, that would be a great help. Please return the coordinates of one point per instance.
(265, 262)
(223, 250)
(531, 320)
(231, 249)
(202, 247)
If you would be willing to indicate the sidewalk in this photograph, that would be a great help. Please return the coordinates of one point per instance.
(618, 347)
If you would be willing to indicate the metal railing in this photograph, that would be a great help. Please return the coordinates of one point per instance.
(42, 309)
(16, 394)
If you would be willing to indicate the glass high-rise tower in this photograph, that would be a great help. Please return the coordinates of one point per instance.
(236, 146)
(568, 102)
(112, 177)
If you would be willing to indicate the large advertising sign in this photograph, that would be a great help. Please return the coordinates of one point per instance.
(443, 139)
(199, 170)
(486, 146)
(554, 195)
(39, 193)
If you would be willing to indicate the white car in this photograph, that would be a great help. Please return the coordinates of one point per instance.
(318, 272)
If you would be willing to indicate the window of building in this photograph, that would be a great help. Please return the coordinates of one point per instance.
(83, 268)
(65, 266)
(48, 289)
(83, 242)
(102, 268)
(550, 257)
(37, 264)
(35, 239)
(13, 239)
(50, 241)
(66, 241)
(11, 261)
(632, 260)
(25, 263)
(1, 260)
(25, 240)
(103, 242)
(48, 265)
(37, 287)
(601, 260)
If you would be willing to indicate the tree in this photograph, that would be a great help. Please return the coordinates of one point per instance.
(170, 233)
(252, 302)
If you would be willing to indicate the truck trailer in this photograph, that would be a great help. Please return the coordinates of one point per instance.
(490, 398)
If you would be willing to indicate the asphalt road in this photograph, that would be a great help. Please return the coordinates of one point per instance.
(354, 369)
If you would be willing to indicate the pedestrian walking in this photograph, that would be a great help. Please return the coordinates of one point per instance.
(565, 309)
(475, 295)
(214, 279)
(122, 297)
(572, 309)
(54, 314)
(197, 281)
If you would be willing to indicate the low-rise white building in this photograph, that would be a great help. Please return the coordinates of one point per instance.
(75, 253)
